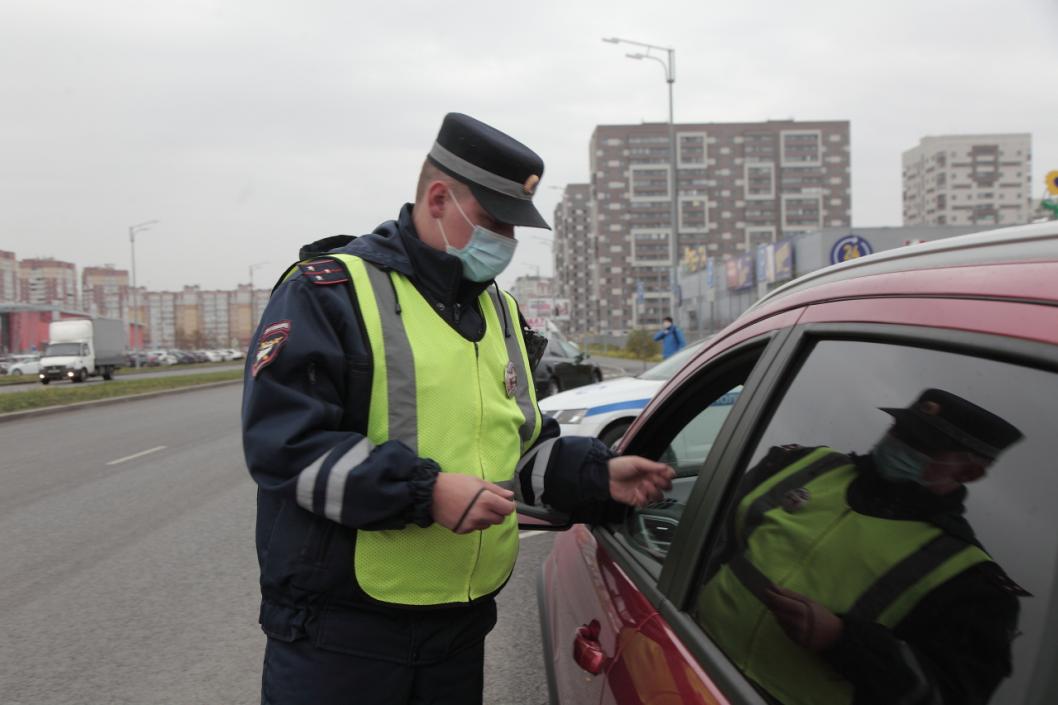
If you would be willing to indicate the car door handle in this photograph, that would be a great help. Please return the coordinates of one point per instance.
(587, 651)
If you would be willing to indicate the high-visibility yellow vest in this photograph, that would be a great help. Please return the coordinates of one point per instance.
(469, 406)
(876, 569)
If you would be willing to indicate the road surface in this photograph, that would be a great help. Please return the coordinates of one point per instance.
(129, 573)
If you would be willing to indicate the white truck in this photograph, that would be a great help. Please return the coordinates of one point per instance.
(82, 348)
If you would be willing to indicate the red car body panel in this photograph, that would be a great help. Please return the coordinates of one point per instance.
(647, 663)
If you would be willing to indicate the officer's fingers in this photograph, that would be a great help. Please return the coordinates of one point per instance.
(501, 491)
(491, 502)
(652, 467)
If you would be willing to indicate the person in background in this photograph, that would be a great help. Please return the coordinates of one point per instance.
(671, 338)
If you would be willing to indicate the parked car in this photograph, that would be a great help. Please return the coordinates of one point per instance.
(161, 357)
(183, 357)
(232, 354)
(628, 610)
(562, 367)
(24, 365)
(606, 409)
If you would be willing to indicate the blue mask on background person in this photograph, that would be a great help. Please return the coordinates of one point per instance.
(485, 255)
(898, 462)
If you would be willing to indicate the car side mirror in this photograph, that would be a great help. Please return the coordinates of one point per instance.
(581, 357)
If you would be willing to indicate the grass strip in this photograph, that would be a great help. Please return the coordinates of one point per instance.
(70, 394)
(7, 380)
(610, 351)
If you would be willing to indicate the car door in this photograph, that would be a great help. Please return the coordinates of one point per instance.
(603, 585)
(958, 642)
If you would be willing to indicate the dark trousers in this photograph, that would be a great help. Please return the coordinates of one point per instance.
(299, 673)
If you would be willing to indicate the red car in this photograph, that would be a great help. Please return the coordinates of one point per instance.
(632, 613)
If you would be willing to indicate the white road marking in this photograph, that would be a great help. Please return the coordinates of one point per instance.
(136, 455)
(530, 534)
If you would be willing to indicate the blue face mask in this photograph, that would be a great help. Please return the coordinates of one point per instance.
(898, 462)
(485, 255)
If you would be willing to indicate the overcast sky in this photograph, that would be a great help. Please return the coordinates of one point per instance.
(247, 128)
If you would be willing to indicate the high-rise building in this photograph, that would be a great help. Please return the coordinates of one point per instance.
(738, 185)
(161, 319)
(215, 311)
(189, 320)
(968, 180)
(574, 256)
(8, 277)
(105, 291)
(48, 281)
(530, 286)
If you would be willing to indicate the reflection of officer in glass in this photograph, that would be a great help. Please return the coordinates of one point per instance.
(856, 579)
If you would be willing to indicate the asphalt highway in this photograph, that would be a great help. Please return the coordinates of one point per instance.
(128, 567)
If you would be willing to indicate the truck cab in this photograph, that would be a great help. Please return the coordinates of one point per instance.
(79, 349)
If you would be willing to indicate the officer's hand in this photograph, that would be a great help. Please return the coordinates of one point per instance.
(463, 503)
(804, 620)
(637, 481)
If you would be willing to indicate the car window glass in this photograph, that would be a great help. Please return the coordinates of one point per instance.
(839, 572)
(691, 424)
(568, 349)
(667, 368)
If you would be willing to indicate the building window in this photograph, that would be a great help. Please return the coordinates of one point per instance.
(802, 211)
(690, 149)
(802, 148)
(759, 182)
(648, 183)
(650, 247)
(693, 215)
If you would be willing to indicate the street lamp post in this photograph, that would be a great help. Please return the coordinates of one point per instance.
(669, 65)
(133, 229)
(253, 299)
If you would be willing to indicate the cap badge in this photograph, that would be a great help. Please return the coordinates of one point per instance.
(530, 184)
(510, 380)
(931, 408)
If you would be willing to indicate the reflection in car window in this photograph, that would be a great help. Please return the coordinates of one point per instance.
(894, 532)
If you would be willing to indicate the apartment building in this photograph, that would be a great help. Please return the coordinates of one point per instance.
(8, 277)
(105, 291)
(574, 257)
(215, 307)
(161, 319)
(968, 180)
(48, 281)
(738, 185)
(532, 287)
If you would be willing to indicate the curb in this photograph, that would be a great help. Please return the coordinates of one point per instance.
(49, 410)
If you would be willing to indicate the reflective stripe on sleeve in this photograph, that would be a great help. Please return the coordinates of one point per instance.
(335, 498)
(539, 457)
(307, 482)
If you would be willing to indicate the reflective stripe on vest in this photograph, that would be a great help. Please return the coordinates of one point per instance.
(446, 398)
(876, 569)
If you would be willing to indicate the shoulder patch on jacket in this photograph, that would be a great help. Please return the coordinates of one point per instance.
(269, 344)
(324, 271)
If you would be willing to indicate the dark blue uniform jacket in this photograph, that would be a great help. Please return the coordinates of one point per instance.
(306, 397)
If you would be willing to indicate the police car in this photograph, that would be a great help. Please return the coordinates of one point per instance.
(607, 409)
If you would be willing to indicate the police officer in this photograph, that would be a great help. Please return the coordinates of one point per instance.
(390, 422)
(857, 579)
